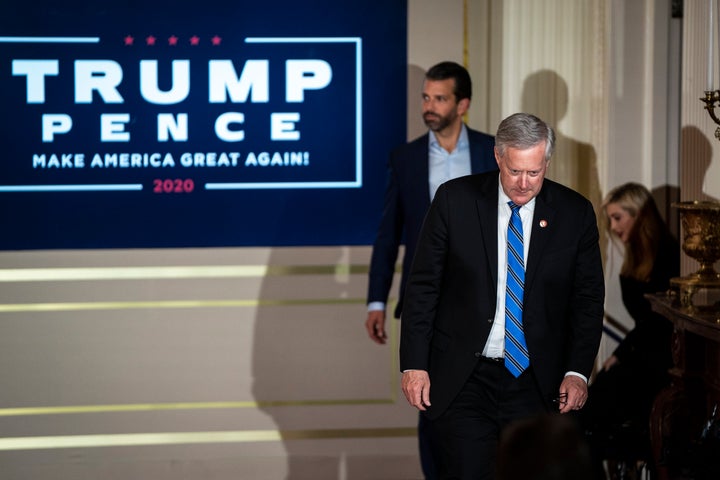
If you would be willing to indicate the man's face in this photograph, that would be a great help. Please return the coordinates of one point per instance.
(522, 172)
(440, 107)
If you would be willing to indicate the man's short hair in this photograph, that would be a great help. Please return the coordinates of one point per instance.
(445, 70)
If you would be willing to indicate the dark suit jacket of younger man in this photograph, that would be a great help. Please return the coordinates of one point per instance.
(451, 293)
(407, 199)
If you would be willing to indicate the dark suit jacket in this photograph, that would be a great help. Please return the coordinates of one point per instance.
(407, 199)
(451, 293)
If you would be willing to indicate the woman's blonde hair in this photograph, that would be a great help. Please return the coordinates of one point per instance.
(647, 230)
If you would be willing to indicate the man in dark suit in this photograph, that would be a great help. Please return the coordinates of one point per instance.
(412, 180)
(458, 369)
(450, 149)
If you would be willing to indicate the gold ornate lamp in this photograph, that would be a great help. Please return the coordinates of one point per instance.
(701, 241)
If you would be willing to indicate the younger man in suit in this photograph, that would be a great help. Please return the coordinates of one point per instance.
(450, 149)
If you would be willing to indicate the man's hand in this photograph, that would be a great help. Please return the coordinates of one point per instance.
(573, 394)
(375, 326)
(416, 387)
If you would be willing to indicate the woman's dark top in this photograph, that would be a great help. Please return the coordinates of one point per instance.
(647, 346)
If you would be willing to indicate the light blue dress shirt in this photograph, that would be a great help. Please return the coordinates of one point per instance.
(442, 166)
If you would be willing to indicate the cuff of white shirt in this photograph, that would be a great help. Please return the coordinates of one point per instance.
(374, 306)
(577, 375)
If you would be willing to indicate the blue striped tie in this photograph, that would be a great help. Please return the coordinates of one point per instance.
(517, 358)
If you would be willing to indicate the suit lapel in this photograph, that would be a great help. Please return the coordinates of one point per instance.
(421, 175)
(476, 159)
(487, 206)
(542, 227)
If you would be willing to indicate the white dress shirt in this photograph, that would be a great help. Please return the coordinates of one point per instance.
(495, 346)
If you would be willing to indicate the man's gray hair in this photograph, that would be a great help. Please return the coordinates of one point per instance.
(523, 131)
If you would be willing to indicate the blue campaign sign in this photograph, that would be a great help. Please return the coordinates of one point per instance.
(191, 124)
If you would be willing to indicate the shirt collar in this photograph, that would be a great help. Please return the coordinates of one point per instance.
(462, 142)
(503, 199)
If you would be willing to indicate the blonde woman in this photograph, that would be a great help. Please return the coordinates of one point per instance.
(632, 376)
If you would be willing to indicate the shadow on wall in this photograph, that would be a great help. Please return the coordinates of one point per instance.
(289, 363)
(313, 366)
(545, 94)
(696, 177)
(664, 197)
(574, 164)
(415, 124)
(697, 169)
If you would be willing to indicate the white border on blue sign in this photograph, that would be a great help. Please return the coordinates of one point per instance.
(357, 183)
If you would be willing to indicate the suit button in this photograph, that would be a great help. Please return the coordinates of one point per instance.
(478, 354)
(490, 320)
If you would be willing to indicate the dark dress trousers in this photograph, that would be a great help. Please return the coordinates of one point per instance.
(407, 199)
(450, 297)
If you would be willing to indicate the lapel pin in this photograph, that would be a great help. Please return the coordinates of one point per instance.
(543, 223)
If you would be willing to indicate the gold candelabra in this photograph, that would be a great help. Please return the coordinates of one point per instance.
(711, 99)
